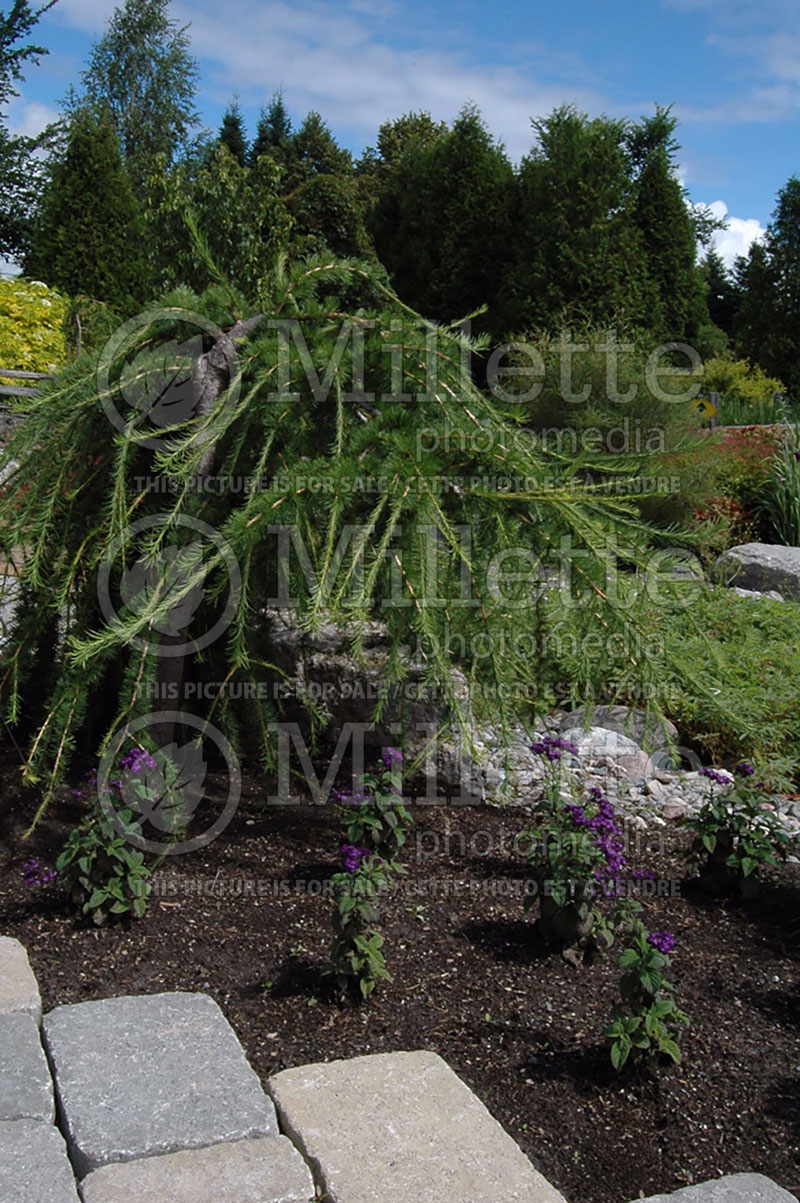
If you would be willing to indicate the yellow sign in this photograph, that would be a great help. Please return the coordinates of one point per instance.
(707, 408)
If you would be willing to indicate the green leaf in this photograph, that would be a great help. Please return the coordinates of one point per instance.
(619, 1052)
(671, 1049)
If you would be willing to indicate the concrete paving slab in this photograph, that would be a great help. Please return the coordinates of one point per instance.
(34, 1167)
(26, 1088)
(402, 1126)
(19, 990)
(734, 1188)
(138, 1076)
(268, 1169)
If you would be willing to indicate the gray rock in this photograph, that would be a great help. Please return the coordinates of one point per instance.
(735, 1188)
(19, 990)
(770, 595)
(761, 567)
(599, 744)
(34, 1167)
(402, 1126)
(267, 1169)
(648, 732)
(26, 1088)
(139, 1076)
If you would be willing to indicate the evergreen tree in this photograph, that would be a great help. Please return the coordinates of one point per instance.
(142, 72)
(576, 255)
(443, 222)
(768, 322)
(722, 295)
(313, 150)
(88, 234)
(667, 232)
(20, 169)
(273, 133)
(232, 133)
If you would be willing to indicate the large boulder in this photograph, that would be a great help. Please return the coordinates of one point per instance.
(645, 730)
(761, 567)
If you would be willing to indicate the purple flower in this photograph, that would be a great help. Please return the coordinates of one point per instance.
(137, 759)
(553, 747)
(352, 856)
(713, 775)
(744, 769)
(30, 871)
(391, 757)
(664, 941)
(351, 798)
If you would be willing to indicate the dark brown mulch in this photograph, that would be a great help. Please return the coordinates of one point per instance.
(472, 982)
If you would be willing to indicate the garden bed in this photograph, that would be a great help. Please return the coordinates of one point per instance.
(521, 1025)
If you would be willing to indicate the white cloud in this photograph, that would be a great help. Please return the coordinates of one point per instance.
(28, 118)
(345, 62)
(739, 236)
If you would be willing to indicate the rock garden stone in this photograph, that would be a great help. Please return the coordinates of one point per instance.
(646, 731)
(402, 1126)
(19, 990)
(619, 752)
(268, 1169)
(137, 1076)
(761, 567)
(34, 1167)
(26, 1088)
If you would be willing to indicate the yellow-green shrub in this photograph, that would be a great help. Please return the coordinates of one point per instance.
(32, 320)
(739, 380)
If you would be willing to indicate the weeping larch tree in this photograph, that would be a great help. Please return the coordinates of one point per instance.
(316, 388)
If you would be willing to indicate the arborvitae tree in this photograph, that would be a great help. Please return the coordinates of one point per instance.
(313, 150)
(722, 295)
(232, 134)
(20, 173)
(767, 325)
(443, 224)
(575, 255)
(274, 132)
(668, 233)
(395, 138)
(142, 71)
(88, 234)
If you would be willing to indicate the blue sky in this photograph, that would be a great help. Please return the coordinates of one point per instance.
(730, 68)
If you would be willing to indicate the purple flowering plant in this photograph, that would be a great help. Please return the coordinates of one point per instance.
(356, 956)
(734, 833)
(376, 822)
(373, 812)
(647, 1023)
(576, 853)
(103, 874)
(35, 876)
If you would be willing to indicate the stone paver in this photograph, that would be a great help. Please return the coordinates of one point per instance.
(19, 990)
(402, 1126)
(26, 1088)
(735, 1188)
(137, 1076)
(265, 1170)
(34, 1167)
